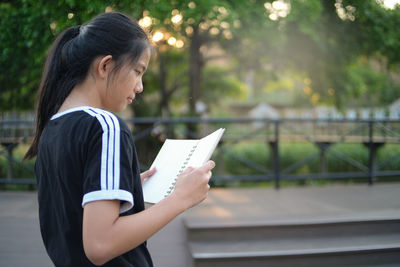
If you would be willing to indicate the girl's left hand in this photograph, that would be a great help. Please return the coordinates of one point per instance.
(147, 174)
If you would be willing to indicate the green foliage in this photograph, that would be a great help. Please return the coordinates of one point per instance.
(388, 157)
(202, 24)
(290, 153)
(339, 158)
(220, 83)
(356, 152)
(28, 28)
(253, 152)
(169, 89)
(24, 33)
(306, 14)
(259, 153)
(377, 29)
(288, 88)
(368, 87)
(210, 12)
(19, 169)
(322, 40)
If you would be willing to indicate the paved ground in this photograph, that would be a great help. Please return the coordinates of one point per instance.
(21, 245)
(301, 203)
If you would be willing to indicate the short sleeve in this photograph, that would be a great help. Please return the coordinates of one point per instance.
(108, 173)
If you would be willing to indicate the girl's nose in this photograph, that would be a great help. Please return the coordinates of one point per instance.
(139, 87)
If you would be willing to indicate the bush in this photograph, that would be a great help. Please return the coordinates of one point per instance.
(346, 157)
(388, 158)
(235, 158)
(20, 169)
(343, 157)
(254, 158)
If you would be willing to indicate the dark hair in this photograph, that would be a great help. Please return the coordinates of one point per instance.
(72, 54)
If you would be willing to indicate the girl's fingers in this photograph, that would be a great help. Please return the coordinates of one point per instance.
(147, 174)
(209, 165)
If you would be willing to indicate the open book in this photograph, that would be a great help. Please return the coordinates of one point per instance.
(174, 157)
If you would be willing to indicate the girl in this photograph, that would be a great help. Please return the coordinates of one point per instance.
(91, 207)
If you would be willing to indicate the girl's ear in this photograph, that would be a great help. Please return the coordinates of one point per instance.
(104, 66)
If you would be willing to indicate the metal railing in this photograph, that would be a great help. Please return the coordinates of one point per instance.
(323, 134)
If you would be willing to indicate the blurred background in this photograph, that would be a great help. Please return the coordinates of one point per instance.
(212, 55)
(257, 60)
(309, 94)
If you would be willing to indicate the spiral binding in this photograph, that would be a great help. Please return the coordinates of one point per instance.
(171, 188)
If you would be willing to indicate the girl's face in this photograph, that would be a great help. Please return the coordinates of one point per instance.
(126, 84)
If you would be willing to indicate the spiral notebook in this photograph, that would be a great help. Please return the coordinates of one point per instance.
(174, 157)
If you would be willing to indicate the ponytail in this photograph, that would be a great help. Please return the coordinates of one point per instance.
(51, 96)
(71, 55)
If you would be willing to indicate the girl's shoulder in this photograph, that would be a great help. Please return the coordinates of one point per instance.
(90, 117)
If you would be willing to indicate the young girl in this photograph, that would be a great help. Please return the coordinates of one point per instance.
(91, 206)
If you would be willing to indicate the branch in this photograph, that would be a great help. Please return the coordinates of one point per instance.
(176, 84)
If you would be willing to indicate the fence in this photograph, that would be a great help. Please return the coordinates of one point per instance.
(324, 134)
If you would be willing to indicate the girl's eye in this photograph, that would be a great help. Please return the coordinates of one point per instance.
(138, 72)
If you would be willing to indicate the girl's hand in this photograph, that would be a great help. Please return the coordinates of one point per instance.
(147, 174)
(192, 185)
(106, 234)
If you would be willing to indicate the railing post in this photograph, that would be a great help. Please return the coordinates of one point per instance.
(373, 149)
(10, 147)
(323, 148)
(372, 153)
(275, 154)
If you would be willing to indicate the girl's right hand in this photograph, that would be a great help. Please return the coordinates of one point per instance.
(192, 185)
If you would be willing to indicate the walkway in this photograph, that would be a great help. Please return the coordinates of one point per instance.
(21, 245)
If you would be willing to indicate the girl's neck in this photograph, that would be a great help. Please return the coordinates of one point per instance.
(85, 94)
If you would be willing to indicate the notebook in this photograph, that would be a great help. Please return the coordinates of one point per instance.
(173, 158)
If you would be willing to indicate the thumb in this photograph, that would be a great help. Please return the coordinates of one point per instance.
(148, 173)
(208, 166)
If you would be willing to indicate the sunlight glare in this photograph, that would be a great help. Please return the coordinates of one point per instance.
(158, 36)
(390, 4)
(176, 19)
(145, 22)
(214, 31)
(179, 44)
(171, 40)
(192, 5)
(278, 9)
(189, 30)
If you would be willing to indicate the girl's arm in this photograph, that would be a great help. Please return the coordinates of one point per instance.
(106, 235)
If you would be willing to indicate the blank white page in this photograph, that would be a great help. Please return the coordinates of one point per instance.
(168, 163)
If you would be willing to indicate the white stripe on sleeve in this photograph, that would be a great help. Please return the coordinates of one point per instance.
(110, 154)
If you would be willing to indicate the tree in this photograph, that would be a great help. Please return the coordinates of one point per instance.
(321, 39)
(28, 28)
(24, 38)
(198, 25)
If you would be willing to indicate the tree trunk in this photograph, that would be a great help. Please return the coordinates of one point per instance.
(195, 66)
(165, 112)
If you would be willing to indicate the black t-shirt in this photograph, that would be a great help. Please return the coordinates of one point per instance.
(85, 154)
